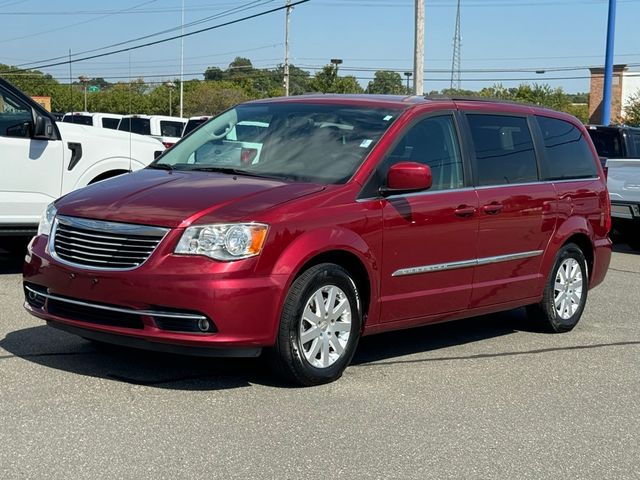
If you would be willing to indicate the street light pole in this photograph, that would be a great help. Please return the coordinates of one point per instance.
(418, 57)
(608, 65)
(182, 62)
(408, 75)
(336, 62)
(170, 86)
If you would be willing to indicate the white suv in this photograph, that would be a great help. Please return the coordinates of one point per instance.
(166, 129)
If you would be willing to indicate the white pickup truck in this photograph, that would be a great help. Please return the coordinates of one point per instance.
(619, 151)
(42, 160)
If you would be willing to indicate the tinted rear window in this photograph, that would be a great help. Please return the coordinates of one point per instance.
(111, 123)
(567, 151)
(79, 119)
(504, 149)
(192, 125)
(607, 142)
(135, 125)
(171, 129)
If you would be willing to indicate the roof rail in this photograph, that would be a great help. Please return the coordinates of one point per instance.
(471, 98)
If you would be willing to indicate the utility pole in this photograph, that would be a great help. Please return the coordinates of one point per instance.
(84, 80)
(455, 60)
(608, 65)
(70, 82)
(418, 50)
(286, 49)
(182, 62)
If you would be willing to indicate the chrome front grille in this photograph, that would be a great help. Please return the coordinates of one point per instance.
(103, 245)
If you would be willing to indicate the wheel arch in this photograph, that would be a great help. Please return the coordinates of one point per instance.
(584, 243)
(334, 245)
(352, 264)
(108, 174)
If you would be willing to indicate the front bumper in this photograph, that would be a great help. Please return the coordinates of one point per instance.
(159, 304)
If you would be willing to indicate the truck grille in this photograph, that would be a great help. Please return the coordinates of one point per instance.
(103, 245)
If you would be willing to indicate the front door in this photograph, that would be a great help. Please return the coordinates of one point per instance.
(429, 237)
(31, 170)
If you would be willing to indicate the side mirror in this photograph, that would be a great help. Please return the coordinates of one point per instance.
(406, 177)
(43, 128)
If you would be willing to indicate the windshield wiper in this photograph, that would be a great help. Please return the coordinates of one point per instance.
(237, 171)
(160, 166)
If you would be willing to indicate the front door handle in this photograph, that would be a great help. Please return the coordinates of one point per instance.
(492, 208)
(465, 211)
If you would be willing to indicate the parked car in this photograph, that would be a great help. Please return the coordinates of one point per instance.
(619, 151)
(363, 214)
(97, 119)
(166, 129)
(193, 123)
(43, 159)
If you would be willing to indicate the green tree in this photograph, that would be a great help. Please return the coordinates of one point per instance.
(328, 81)
(386, 82)
(632, 110)
(213, 73)
(211, 98)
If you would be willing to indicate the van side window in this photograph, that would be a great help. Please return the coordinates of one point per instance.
(171, 129)
(111, 123)
(15, 117)
(434, 142)
(504, 149)
(568, 152)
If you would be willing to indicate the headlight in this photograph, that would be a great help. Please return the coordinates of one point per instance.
(46, 221)
(223, 241)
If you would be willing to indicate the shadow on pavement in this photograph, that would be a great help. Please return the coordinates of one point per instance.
(62, 351)
(12, 251)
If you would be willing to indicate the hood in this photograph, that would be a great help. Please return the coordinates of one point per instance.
(72, 132)
(178, 198)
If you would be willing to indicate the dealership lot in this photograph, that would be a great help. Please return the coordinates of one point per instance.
(488, 397)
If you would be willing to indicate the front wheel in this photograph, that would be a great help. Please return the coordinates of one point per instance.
(319, 326)
(565, 293)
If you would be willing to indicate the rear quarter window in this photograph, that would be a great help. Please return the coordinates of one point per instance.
(111, 123)
(567, 150)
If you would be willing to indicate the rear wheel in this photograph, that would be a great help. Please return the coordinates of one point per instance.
(319, 327)
(565, 293)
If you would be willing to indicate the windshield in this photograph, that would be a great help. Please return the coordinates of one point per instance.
(298, 141)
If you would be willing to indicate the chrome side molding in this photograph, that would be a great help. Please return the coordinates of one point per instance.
(465, 263)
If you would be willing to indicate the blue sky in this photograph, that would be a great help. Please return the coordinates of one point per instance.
(366, 34)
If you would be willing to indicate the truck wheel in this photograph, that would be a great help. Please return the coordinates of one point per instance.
(319, 327)
(565, 293)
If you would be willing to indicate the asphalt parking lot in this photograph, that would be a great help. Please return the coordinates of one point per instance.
(488, 397)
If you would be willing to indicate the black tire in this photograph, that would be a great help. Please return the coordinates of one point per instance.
(545, 313)
(288, 354)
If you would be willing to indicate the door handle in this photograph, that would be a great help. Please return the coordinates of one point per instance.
(492, 208)
(464, 211)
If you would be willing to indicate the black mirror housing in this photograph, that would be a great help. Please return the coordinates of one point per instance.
(43, 128)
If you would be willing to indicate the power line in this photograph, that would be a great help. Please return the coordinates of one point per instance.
(175, 37)
(225, 13)
(75, 24)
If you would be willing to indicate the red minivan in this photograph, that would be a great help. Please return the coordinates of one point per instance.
(345, 216)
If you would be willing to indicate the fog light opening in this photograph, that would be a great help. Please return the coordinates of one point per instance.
(204, 325)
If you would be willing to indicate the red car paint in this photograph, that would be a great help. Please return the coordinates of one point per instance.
(372, 236)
